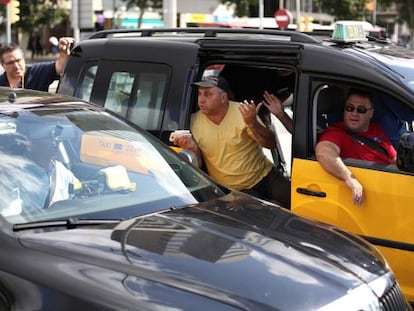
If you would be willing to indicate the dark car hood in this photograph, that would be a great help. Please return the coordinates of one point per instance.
(234, 251)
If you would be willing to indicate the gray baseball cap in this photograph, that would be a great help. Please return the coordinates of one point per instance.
(214, 81)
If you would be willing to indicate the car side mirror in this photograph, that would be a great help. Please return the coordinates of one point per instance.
(189, 156)
(405, 153)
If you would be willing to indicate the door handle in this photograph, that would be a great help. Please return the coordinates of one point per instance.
(319, 194)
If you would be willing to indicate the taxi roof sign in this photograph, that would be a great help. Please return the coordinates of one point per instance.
(349, 31)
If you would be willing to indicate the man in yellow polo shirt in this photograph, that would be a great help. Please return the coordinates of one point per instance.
(228, 138)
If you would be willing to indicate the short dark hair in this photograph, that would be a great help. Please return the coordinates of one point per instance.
(7, 48)
(360, 93)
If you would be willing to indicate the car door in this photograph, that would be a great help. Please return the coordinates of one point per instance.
(386, 218)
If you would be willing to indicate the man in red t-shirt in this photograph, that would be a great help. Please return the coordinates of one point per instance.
(349, 139)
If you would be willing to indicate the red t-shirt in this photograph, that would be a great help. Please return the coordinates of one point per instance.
(353, 148)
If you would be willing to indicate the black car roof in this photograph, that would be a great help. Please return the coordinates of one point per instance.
(324, 56)
(204, 36)
(207, 32)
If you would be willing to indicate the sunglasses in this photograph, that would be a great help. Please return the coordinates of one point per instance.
(359, 109)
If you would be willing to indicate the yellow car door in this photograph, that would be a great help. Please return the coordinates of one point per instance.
(386, 218)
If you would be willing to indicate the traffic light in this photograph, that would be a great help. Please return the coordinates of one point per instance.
(14, 11)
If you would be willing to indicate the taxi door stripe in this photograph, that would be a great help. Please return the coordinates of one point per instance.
(389, 243)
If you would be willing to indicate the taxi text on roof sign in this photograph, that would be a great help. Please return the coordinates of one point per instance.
(349, 31)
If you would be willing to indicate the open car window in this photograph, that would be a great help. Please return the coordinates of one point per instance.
(393, 116)
(249, 82)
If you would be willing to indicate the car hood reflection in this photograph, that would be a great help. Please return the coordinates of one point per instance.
(235, 250)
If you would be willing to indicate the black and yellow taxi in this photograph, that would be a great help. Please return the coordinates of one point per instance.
(146, 75)
(97, 214)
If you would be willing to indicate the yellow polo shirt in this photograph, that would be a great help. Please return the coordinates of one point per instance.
(232, 157)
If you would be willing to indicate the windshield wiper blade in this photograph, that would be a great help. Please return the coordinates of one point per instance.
(69, 223)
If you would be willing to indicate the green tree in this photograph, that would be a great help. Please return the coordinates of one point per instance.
(385, 3)
(37, 13)
(405, 9)
(143, 6)
(345, 9)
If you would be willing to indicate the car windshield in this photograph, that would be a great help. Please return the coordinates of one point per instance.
(62, 161)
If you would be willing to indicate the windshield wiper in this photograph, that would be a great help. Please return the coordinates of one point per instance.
(70, 223)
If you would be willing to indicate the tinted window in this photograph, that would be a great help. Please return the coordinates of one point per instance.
(85, 87)
(146, 106)
(135, 91)
(119, 92)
